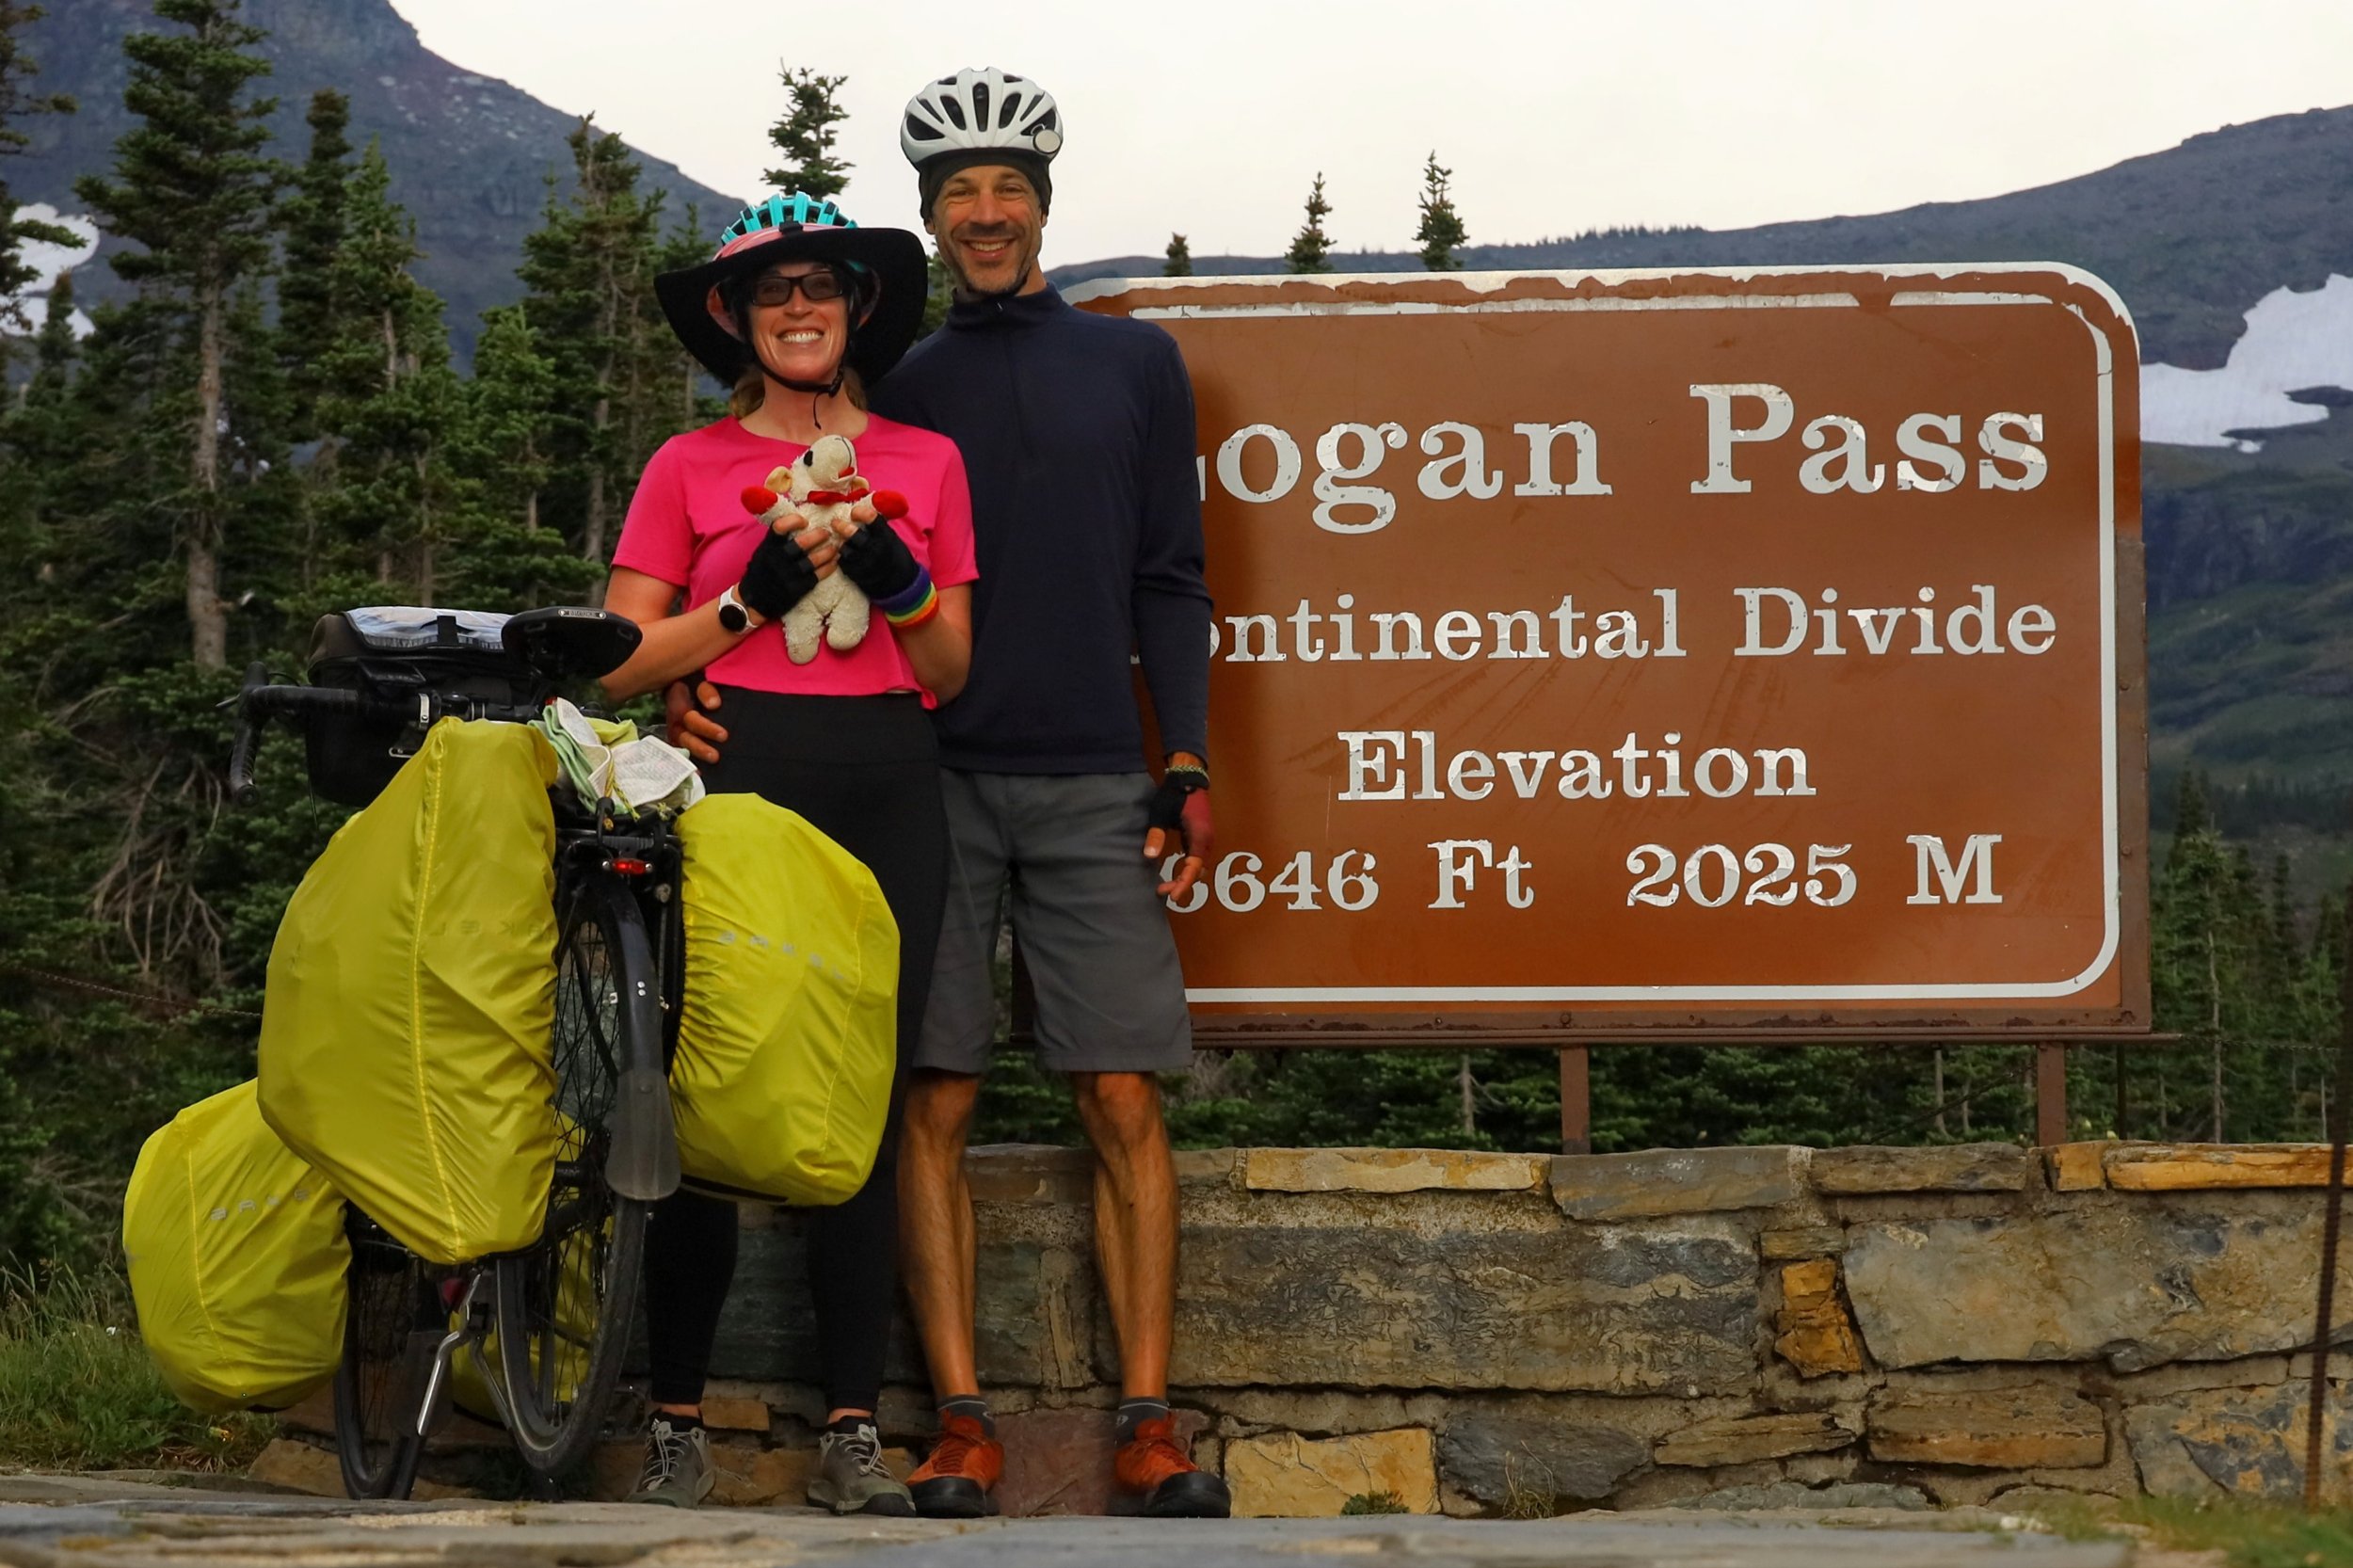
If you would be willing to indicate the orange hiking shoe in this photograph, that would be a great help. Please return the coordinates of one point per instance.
(954, 1483)
(1172, 1486)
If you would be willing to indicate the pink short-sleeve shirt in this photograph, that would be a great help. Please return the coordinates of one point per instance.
(688, 526)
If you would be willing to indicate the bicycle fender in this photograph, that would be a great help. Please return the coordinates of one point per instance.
(643, 1163)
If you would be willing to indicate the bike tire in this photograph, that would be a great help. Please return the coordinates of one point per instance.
(386, 1364)
(557, 1371)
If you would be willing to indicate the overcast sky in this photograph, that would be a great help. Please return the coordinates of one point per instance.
(1211, 117)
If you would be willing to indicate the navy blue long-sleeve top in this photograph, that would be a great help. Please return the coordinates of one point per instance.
(1076, 432)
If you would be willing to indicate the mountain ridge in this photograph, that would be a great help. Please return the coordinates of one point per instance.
(470, 155)
(2191, 236)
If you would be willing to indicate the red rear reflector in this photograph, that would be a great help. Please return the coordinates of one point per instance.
(629, 867)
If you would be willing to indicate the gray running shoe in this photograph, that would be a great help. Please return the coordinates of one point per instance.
(678, 1472)
(852, 1478)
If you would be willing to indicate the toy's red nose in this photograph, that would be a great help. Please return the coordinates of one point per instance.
(758, 498)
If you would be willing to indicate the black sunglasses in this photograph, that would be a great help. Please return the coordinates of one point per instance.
(778, 288)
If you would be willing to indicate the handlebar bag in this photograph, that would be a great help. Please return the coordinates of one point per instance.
(237, 1259)
(411, 993)
(786, 1038)
(395, 652)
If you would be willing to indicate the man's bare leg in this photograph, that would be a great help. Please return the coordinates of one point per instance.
(935, 1245)
(936, 1250)
(1135, 1220)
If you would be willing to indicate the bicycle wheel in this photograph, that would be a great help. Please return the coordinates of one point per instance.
(565, 1304)
(388, 1335)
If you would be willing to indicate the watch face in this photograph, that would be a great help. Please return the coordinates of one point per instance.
(732, 615)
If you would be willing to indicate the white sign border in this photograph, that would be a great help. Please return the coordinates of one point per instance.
(1490, 282)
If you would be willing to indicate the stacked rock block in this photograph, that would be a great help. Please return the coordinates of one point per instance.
(1523, 1334)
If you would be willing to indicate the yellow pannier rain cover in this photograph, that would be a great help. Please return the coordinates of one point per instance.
(238, 1260)
(785, 1041)
(405, 1044)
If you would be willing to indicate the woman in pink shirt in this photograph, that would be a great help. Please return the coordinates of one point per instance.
(799, 310)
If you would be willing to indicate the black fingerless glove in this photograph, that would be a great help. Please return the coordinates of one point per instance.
(1177, 786)
(879, 562)
(778, 576)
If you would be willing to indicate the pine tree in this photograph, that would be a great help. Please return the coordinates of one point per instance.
(56, 346)
(394, 401)
(312, 222)
(588, 272)
(193, 191)
(1179, 262)
(18, 100)
(36, 455)
(1441, 230)
(508, 557)
(1310, 245)
(806, 133)
(686, 245)
(2209, 933)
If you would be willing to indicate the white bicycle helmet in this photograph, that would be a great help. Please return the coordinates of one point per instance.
(979, 111)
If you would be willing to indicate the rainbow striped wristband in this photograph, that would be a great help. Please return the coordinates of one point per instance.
(912, 605)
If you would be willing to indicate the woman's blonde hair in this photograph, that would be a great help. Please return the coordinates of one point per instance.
(751, 390)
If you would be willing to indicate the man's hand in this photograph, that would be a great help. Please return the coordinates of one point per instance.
(690, 724)
(1179, 814)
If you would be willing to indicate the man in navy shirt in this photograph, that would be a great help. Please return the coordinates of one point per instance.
(1076, 432)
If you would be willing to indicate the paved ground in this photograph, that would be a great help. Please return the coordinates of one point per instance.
(51, 1521)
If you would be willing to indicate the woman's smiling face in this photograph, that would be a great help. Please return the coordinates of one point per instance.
(800, 339)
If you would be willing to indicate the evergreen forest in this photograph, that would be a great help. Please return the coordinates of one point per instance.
(270, 425)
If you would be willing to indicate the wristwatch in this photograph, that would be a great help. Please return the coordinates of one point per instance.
(733, 616)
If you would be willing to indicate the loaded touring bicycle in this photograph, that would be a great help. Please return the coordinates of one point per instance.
(537, 1329)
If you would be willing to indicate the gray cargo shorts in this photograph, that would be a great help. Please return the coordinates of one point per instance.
(1066, 853)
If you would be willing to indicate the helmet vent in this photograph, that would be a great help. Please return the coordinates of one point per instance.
(954, 112)
(980, 103)
(1013, 108)
(921, 132)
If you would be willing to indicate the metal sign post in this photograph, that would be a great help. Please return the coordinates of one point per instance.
(2323, 1326)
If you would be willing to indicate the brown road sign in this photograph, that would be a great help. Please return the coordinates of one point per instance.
(1692, 649)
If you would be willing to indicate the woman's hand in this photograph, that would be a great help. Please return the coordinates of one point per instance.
(821, 545)
(878, 561)
(781, 572)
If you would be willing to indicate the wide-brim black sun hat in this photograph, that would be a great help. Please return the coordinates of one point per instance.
(795, 229)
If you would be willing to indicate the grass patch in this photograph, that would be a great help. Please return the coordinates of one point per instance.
(2248, 1532)
(77, 1391)
(1373, 1502)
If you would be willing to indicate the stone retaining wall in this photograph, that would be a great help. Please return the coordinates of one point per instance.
(1490, 1333)
(1485, 1332)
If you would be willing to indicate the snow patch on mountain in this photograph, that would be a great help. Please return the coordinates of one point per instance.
(2295, 341)
(51, 261)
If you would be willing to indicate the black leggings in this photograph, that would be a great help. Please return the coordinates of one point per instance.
(864, 771)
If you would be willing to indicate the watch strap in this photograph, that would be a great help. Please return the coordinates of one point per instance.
(735, 615)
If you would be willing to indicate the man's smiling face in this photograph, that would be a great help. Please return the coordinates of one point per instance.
(989, 227)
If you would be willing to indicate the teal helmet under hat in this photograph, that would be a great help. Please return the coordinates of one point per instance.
(885, 268)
